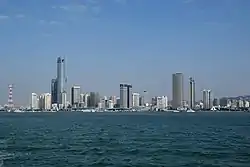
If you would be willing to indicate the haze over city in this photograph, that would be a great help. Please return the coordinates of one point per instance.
(142, 42)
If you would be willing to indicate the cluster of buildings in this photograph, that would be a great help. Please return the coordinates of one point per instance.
(57, 98)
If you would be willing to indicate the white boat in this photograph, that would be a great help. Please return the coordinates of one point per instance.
(176, 111)
(86, 110)
(18, 111)
(213, 109)
(182, 109)
(190, 110)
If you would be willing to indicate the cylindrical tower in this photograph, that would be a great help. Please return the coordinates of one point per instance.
(178, 90)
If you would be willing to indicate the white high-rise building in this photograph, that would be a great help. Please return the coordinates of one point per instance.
(34, 101)
(247, 104)
(135, 99)
(86, 100)
(45, 101)
(64, 100)
(110, 104)
(162, 102)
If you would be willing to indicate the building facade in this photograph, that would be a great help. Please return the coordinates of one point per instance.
(207, 100)
(162, 102)
(125, 95)
(45, 101)
(75, 96)
(177, 90)
(61, 81)
(34, 101)
(191, 93)
(54, 91)
(135, 99)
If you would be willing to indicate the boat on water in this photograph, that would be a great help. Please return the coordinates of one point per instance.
(213, 109)
(190, 110)
(182, 109)
(175, 111)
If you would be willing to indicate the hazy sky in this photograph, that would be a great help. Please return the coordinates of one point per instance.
(141, 42)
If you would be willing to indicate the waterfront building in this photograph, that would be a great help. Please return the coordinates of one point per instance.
(135, 99)
(64, 102)
(110, 104)
(191, 93)
(162, 102)
(125, 95)
(118, 102)
(34, 101)
(54, 91)
(207, 100)
(45, 101)
(141, 100)
(94, 99)
(154, 101)
(86, 100)
(177, 90)
(113, 99)
(216, 102)
(246, 104)
(240, 103)
(75, 96)
(61, 81)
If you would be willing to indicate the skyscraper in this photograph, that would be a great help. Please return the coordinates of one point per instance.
(94, 99)
(45, 101)
(191, 93)
(162, 102)
(34, 101)
(125, 95)
(61, 81)
(207, 101)
(135, 99)
(177, 90)
(53, 91)
(75, 96)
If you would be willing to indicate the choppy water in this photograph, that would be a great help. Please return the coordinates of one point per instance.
(125, 139)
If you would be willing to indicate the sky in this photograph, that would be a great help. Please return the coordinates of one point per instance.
(108, 42)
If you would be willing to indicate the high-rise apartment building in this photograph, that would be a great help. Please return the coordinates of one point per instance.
(141, 101)
(34, 101)
(45, 101)
(54, 91)
(135, 99)
(177, 90)
(162, 102)
(191, 93)
(94, 99)
(75, 96)
(61, 81)
(125, 95)
(207, 100)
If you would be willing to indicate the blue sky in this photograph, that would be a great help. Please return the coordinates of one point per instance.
(142, 42)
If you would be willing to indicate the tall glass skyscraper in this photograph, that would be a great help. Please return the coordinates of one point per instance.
(75, 96)
(191, 93)
(61, 81)
(53, 91)
(177, 90)
(125, 95)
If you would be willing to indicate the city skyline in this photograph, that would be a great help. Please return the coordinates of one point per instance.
(108, 43)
